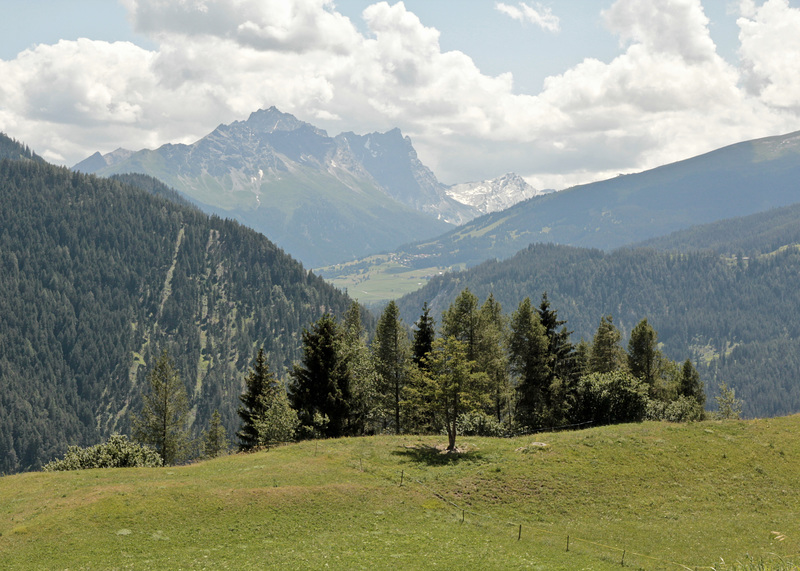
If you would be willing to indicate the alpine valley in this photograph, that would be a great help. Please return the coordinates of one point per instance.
(133, 252)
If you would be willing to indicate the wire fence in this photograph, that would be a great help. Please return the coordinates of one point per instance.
(527, 531)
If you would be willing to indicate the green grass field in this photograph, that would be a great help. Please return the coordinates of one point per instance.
(380, 278)
(721, 495)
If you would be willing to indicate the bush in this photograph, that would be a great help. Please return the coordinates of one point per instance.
(683, 409)
(479, 424)
(611, 398)
(117, 452)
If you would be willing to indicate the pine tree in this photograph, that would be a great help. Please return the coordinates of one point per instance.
(391, 353)
(690, 384)
(529, 364)
(259, 391)
(643, 354)
(460, 321)
(607, 354)
(162, 422)
(490, 357)
(424, 335)
(321, 387)
(451, 387)
(215, 441)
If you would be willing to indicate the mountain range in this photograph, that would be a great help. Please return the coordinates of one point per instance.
(323, 199)
(738, 180)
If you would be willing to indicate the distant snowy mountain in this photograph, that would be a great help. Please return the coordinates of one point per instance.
(493, 195)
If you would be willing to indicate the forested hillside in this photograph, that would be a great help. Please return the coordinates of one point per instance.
(96, 277)
(747, 236)
(739, 319)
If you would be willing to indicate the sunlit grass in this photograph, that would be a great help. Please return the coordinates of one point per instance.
(651, 496)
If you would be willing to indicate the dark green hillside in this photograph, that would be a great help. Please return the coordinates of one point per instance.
(98, 276)
(11, 149)
(744, 318)
(748, 235)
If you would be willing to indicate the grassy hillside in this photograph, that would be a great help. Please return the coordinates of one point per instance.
(659, 495)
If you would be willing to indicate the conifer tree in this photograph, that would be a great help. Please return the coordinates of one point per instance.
(460, 321)
(451, 387)
(259, 392)
(215, 441)
(529, 364)
(321, 387)
(607, 354)
(690, 385)
(391, 354)
(162, 422)
(424, 335)
(643, 355)
(490, 357)
(365, 406)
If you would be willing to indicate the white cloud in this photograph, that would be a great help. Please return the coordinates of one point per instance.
(770, 50)
(541, 16)
(666, 96)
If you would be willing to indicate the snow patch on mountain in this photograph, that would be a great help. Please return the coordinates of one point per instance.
(493, 195)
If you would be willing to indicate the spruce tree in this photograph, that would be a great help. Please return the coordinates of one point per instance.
(259, 391)
(391, 353)
(607, 354)
(643, 354)
(215, 441)
(529, 364)
(162, 422)
(424, 335)
(321, 384)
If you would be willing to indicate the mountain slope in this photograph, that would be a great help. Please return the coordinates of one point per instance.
(738, 180)
(98, 276)
(308, 192)
(740, 320)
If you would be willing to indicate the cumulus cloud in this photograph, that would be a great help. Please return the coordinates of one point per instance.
(667, 95)
(770, 50)
(541, 16)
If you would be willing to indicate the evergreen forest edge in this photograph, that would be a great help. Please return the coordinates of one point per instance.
(240, 330)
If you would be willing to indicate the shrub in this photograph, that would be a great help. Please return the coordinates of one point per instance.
(683, 409)
(479, 424)
(117, 452)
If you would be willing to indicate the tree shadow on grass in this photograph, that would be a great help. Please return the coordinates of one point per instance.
(438, 455)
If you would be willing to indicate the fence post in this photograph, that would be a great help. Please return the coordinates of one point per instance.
(567, 543)
(462, 516)
(520, 532)
(623, 558)
(402, 474)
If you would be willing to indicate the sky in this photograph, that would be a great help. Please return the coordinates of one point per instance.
(559, 92)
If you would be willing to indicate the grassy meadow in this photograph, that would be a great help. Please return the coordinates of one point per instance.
(721, 495)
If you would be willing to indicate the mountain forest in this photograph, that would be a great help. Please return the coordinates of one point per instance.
(99, 276)
(103, 278)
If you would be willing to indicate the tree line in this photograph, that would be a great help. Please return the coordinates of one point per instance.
(480, 372)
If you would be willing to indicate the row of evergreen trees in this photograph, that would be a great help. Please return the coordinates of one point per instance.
(483, 372)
